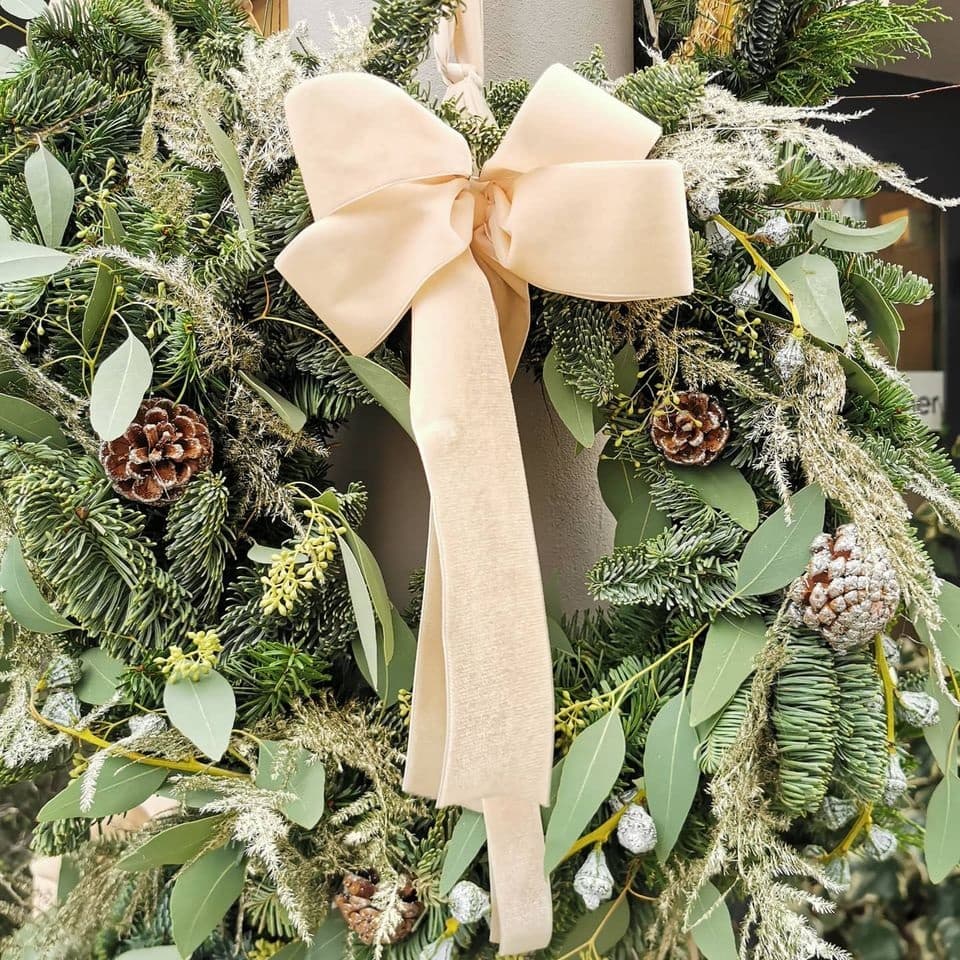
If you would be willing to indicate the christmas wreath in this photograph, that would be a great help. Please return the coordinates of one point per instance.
(199, 651)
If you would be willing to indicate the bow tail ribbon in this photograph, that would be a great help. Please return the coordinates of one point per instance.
(483, 647)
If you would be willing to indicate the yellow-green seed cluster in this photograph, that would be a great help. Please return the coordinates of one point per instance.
(180, 665)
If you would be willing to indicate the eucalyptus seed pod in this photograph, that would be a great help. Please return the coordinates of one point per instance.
(636, 831)
(838, 873)
(836, 812)
(468, 902)
(880, 844)
(594, 881)
(776, 230)
(65, 671)
(62, 707)
(918, 708)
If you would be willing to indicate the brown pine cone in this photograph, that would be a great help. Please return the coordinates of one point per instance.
(693, 432)
(356, 906)
(848, 593)
(154, 459)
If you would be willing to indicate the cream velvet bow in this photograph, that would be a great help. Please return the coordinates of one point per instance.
(567, 203)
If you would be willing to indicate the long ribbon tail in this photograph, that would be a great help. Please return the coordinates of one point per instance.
(484, 701)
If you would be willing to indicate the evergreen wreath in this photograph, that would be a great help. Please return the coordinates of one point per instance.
(182, 588)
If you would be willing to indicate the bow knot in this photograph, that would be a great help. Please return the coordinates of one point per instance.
(569, 203)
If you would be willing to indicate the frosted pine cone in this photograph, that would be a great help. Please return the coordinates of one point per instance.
(849, 593)
(154, 459)
(693, 432)
(357, 906)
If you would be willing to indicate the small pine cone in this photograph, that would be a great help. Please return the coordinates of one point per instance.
(356, 905)
(694, 432)
(154, 459)
(848, 593)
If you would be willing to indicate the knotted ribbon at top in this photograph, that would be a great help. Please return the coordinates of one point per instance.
(568, 203)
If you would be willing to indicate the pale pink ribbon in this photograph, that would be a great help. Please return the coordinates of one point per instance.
(567, 203)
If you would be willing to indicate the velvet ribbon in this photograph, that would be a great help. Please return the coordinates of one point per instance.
(402, 221)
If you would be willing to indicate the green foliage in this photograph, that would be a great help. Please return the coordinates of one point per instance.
(665, 92)
(862, 755)
(400, 31)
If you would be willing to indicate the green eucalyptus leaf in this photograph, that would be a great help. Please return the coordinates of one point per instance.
(815, 284)
(724, 488)
(175, 845)
(626, 369)
(288, 412)
(23, 419)
(6, 232)
(778, 552)
(398, 674)
(726, 661)
(590, 770)
(203, 711)
(575, 412)
(10, 61)
(151, 953)
(373, 577)
(362, 611)
(292, 769)
(24, 261)
(941, 840)
(620, 486)
(559, 641)
(98, 306)
(330, 940)
(671, 771)
(69, 877)
(841, 236)
(51, 192)
(940, 735)
(948, 636)
(202, 894)
(22, 597)
(858, 380)
(259, 553)
(388, 390)
(466, 841)
(292, 951)
(226, 152)
(99, 677)
(639, 522)
(113, 231)
(121, 786)
(615, 920)
(119, 387)
(711, 927)
(880, 316)
(24, 9)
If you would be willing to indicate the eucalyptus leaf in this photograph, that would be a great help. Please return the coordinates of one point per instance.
(113, 231)
(620, 486)
(778, 552)
(10, 61)
(24, 261)
(639, 522)
(292, 951)
(24, 9)
(612, 920)
(175, 845)
(259, 553)
(398, 674)
(203, 711)
(51, 192)
(69, 877)
(712, 928)
(121, 786)
(726, 661)
(23, 419)
(288, 412)
(98, 306)
(330, 940)
(626, 370)
(22, 597)
(841, 236)
(815, 284)
(590, 769)
(292, 769)
(100, 674)
(226, 152)
(388, 390)
(940, 735)
(362, 611)
(151, 953)
(202, 894)
(466, 841)
(726, 489)
(373, 577)
(941, 840)
(559, 641)
(858, 380)
(671, 771)
(948, 636)
(878, 314)
(119, 387)
(575, 412)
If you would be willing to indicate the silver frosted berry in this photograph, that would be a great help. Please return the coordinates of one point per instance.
(468, 902)
(880, 844)
(636, 831)
(849, 592)
(594, 881)
(62, 707)
(776, 230)
(746, 293)
(896, 784)
(704, 203)
(919, 709)
(64, 671)
(837, 812)
(789, 359)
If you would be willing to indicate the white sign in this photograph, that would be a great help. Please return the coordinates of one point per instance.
(928, 386)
